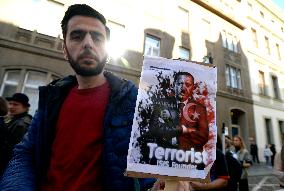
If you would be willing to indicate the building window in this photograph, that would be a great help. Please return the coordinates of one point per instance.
(275, 87)
(267, 48)
(261, 14)
(10, 82)
(278, 51)
(269, 134)
(183, 53)
(261, 85)
(117, 45)
(183, 19)
(250, 6)
(230, 42)
(281, 130)
(33, 79)
(254, 38)
(152, 46)
(25, 81)
(233, 77)
(235, 43)
(224, 39)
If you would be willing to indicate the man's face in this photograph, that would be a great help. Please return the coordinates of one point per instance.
(184, 87)
(16, 108)
(85, 45)
(165, 114)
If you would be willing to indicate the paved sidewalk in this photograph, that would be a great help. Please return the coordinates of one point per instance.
(260, 170)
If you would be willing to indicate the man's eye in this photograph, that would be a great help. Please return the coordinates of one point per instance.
(77, 36)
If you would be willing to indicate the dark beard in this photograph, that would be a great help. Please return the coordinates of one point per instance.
(87, 72)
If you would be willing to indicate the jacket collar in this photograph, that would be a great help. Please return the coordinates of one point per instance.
(118, 86)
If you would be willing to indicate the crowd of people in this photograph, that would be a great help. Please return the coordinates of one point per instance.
(78, 139)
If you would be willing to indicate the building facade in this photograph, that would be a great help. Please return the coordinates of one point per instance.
(215, 32)
(265, 43)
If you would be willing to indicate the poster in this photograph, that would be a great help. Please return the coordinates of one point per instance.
(174, 126)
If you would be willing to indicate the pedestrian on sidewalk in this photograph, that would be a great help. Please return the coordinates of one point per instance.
(234, 166)
(245, 160)
(254, 152)
(267, 154)
(278, 170)
(273, 150)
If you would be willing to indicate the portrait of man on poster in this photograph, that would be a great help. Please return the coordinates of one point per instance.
(192, 115)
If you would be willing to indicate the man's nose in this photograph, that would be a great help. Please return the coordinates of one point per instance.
(88, 41)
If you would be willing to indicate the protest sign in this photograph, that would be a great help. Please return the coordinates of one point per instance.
(174, 126)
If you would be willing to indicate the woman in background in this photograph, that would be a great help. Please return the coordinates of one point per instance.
(245, 159)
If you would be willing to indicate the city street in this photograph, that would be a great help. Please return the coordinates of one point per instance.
(261, 178)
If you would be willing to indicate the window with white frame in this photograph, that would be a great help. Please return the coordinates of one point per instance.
(33, 79)
(254, 38)
(235, 44)
(233, 77)
(27, 82)
(116, 44)
(261, 14)
(267, 48)
(183, 19)
(230, 41)
(183, 53)
(10, 82)
(224, 39)
(205, 26)
(152, 46)
(275, 87)
(278, 51)
(261, 85)
(250, 6)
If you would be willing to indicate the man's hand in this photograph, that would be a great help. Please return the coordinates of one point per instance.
(160, 185)
(197, 185)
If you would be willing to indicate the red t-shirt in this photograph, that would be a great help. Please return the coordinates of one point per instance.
(76, 158)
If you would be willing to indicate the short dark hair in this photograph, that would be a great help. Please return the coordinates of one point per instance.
(176, 75)
(82, 10)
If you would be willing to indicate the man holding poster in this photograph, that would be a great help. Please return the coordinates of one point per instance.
(193, 115)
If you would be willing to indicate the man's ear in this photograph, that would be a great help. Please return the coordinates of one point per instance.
(65, 51)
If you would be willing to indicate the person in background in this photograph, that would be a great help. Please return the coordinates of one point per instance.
(3, 132)
(267, 154)
(273, 151)
(79, 137)
(15, 125)
(278, 169)
(234, 166)
(218, 175)
(245, 159)
(254, 152)
(3, 107)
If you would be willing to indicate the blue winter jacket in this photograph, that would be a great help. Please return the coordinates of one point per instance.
(31, 158)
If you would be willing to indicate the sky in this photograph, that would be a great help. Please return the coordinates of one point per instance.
(280, 3)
